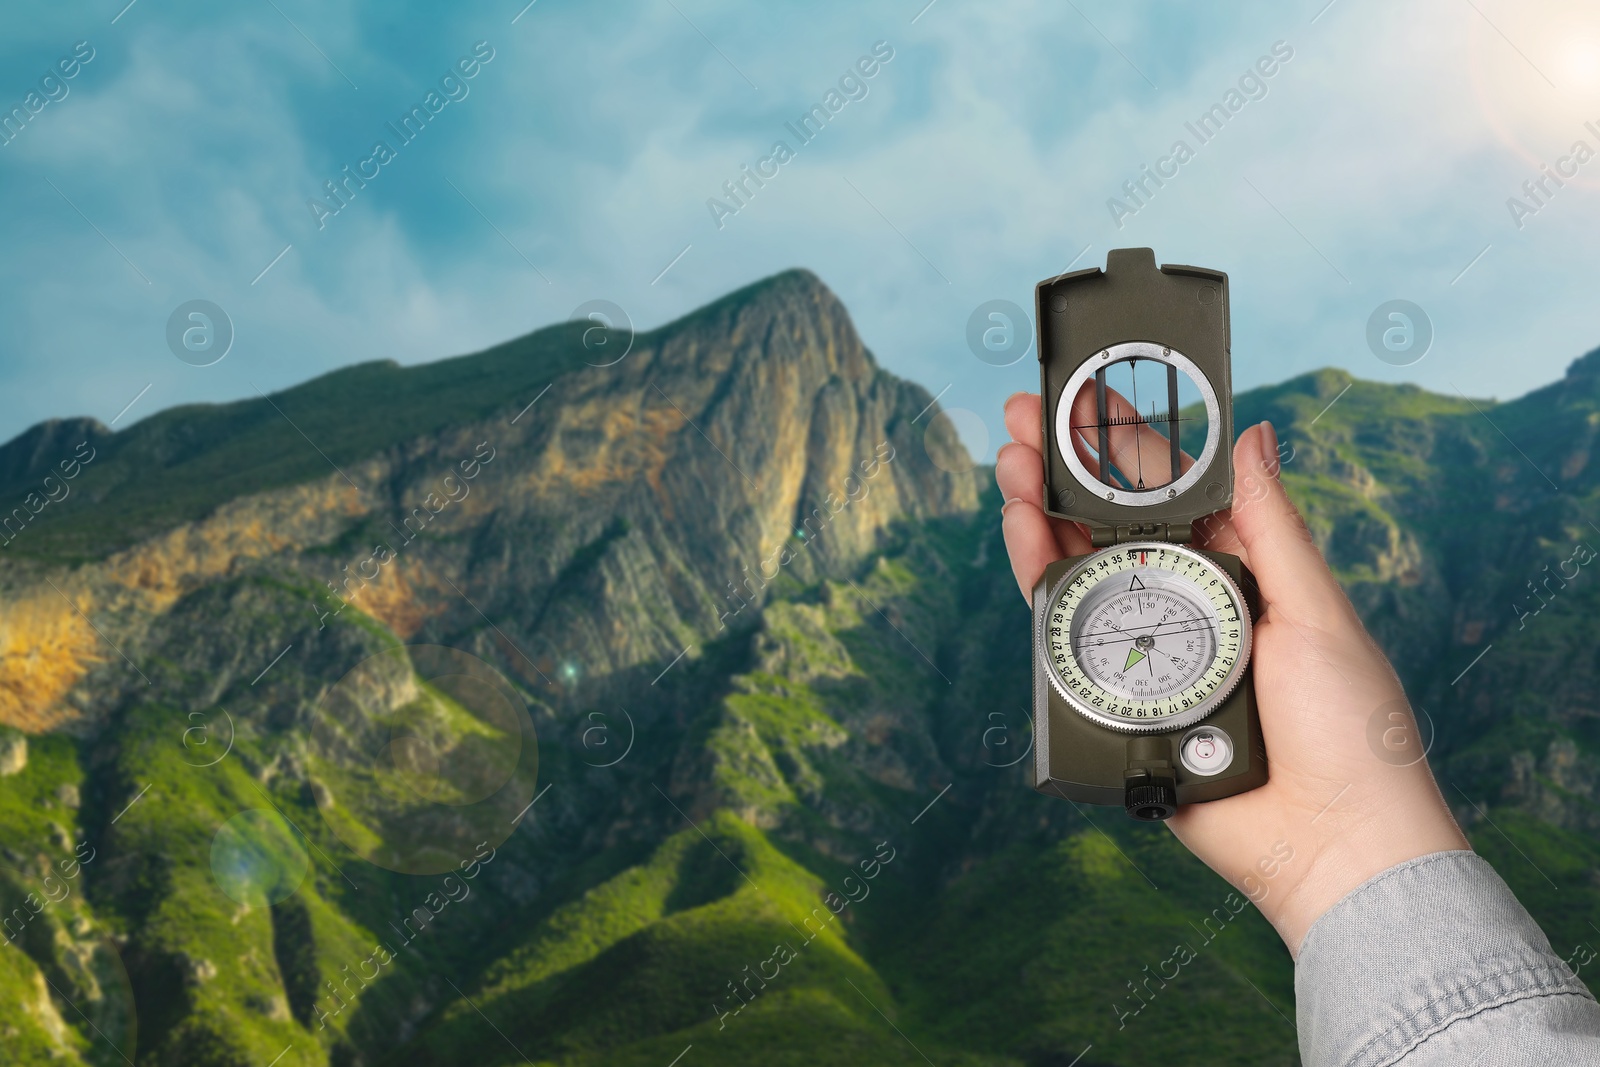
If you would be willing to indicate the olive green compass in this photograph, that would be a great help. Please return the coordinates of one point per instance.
(1141, 688)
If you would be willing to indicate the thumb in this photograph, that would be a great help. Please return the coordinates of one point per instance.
(1293, 576)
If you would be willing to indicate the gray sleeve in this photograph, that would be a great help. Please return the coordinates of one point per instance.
(1434, 962)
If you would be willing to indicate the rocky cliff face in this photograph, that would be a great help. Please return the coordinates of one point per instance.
(630, 513)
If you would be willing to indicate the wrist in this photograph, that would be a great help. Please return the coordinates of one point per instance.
(1356, 845)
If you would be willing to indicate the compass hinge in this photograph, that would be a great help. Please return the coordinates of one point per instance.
(1174, 533)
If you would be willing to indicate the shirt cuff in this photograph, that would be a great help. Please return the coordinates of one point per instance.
(1412, 950)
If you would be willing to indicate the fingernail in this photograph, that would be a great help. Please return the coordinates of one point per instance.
(1009, 502)
(1269, 448)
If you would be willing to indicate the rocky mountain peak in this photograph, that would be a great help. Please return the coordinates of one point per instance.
(605, 510)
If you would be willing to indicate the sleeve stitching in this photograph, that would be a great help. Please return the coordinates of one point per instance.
(1540, 973)
(1481, 1010)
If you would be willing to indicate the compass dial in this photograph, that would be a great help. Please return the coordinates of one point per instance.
(1146, 636)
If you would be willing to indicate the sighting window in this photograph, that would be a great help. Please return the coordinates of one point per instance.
(1139, 420)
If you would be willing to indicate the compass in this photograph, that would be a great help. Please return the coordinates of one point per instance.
(1145, 638)
(1142, 692)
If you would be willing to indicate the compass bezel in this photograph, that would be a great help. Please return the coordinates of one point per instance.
(1164, 724)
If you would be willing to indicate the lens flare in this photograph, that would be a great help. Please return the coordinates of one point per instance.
(257, 859)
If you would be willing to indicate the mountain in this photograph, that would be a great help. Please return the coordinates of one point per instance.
(608, 699)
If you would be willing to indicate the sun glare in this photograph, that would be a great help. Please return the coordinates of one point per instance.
(1536, 75)
(1579, 64)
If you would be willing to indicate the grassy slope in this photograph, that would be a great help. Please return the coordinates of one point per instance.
(1040, 950)
(652, 957)
(30, 812)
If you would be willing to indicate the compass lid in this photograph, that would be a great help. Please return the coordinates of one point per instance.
(1137, 396)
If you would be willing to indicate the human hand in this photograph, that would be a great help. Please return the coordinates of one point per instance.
(1344, 813)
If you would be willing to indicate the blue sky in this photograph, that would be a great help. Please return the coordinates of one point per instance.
(1377, 165)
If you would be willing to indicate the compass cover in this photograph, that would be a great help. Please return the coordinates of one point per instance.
(1174, 318)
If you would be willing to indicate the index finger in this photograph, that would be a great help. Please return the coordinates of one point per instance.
(1023, 420)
